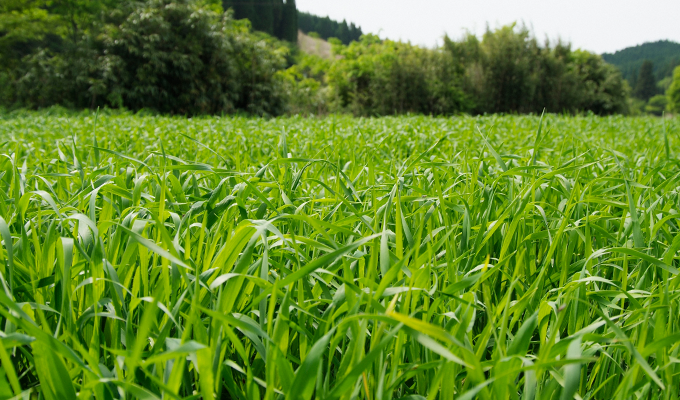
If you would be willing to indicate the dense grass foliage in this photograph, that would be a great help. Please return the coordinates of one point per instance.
(339, 258)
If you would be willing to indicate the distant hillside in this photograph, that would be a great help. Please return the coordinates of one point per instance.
(315, 46)
(664, 54)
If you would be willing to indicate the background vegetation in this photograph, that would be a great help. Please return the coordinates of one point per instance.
(664, 56)
(649, 70)
(192, 57)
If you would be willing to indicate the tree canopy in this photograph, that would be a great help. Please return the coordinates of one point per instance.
(645, 86)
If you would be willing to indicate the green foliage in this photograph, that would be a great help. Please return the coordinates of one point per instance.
(23, 26)
(673, 92)
(374, 77)
(202, 65)
(168, 56)
(31, 30)
(184, 57)
(305, 92)
(491, 257)
(657, 105)
(507, 71)
(599, 86)
(327, 28)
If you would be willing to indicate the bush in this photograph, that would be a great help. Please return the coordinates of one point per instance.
(657, 105)
(374, 77)
(171, 57)
(175, 57)
(304, 86)
(673, 92)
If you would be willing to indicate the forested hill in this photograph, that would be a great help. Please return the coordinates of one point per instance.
(664, 54)
(282, 19)
(328, 28)
(271, 16)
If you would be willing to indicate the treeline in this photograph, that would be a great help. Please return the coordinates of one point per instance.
(507, 71)
(274, 17)
(327, 28)
(190, 57)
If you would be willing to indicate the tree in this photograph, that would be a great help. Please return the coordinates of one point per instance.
(510, 57)
(290, 22)
(343, 32)
(600, 87)
(673, 92)
(354, 32)
(263, 16)
(663, 54)
(508, 71)
(172, 56)
(646, 84)
(328, 28)
(277, 10)
(243, 9)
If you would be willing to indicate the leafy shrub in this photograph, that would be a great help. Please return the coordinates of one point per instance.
(374, 77)
(673, 92)
(304, 86)
(657, 105)
(170, 56)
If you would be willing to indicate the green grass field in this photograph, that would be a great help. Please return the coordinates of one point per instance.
(339, 258)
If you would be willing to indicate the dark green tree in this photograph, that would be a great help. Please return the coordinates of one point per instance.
(328, 28)
(243, 9)
(354, 32)
(277, 11)
(263, 16)
(343, 32)
(646, 84)
(172, 56)
(290, 22)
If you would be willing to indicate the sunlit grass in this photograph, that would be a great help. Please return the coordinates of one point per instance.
(339, 258)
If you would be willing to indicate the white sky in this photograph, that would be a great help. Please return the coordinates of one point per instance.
(595, 25)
